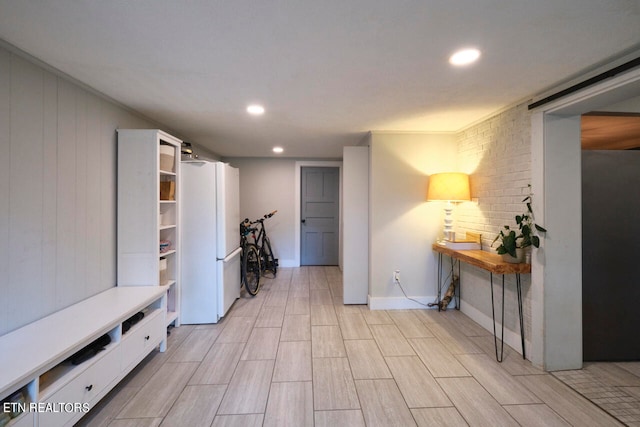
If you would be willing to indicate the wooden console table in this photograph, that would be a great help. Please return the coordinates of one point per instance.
(493, 264)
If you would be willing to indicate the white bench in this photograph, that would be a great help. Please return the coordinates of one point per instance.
(58, 393)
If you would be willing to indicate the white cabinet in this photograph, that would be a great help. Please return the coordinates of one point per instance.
(148, 210)
(37, 365)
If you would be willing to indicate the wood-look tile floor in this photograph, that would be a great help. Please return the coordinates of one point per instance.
(294, 355)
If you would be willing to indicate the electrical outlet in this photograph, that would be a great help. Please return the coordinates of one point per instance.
(396, 276)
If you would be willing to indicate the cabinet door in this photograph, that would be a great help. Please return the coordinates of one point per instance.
(141, 339)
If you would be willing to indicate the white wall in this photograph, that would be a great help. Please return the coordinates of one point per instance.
(58, 191)
(267, 185)
(403, 224)
(557, 269)
(631, 105)
(355, 207)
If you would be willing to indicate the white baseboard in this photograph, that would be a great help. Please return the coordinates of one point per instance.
(399, 303)
(286, 263)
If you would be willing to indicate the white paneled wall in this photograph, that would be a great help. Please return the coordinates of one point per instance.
(5, 185)
(58, 191)
(497, 155)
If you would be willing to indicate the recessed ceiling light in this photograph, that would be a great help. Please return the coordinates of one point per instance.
(278, 150)
(255, 109)
(464, 57)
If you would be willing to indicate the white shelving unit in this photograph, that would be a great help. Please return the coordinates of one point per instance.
(148, 213)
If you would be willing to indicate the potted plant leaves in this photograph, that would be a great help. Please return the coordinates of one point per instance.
(513, 244)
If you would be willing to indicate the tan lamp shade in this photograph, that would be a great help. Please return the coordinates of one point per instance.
(449, 186)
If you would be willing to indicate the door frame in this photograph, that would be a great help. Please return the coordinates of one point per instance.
(556, 273)
(316, 163)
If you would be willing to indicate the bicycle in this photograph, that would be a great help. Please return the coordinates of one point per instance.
(250, 270)
(267, 261)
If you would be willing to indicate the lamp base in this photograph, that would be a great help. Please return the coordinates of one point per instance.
(449, 234)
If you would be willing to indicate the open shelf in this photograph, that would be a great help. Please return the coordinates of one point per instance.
(17, 404)
(53, 379)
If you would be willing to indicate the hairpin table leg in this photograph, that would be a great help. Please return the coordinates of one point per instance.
(493, 314)
(519, 289)
(439, 279)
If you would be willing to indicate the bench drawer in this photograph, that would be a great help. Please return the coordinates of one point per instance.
(82, 389)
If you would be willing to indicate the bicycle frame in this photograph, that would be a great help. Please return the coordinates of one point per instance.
(261, 233)
(261, 241)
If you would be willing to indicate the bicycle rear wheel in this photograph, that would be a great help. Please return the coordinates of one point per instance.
(270, 263)
(251, 269)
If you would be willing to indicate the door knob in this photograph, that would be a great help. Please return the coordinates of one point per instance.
(304, 220)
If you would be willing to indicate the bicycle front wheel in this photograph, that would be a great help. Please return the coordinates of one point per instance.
(269, 260)
(251, 269)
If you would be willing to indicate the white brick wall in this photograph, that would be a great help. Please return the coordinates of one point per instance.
(497, 155)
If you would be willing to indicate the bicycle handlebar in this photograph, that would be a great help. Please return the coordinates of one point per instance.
(245, 227)
(247, 222)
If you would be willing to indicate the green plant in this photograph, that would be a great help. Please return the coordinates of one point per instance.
(510, 241)
(507, 239)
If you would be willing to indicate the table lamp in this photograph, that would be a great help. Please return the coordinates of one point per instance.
(450, 187)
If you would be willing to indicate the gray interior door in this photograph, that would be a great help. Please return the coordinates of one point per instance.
(319, 215)
(610, 251)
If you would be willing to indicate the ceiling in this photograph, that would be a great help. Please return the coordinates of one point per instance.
(326, 71)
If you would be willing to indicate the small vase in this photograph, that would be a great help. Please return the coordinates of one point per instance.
(514, 260)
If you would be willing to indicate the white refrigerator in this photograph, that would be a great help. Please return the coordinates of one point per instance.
(210, 240)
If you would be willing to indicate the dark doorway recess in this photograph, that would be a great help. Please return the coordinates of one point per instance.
(611, 255)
